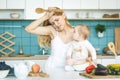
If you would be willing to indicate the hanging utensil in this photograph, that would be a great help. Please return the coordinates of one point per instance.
(111, 46)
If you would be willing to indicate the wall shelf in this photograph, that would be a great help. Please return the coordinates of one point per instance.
(68, 19)
(94, 19)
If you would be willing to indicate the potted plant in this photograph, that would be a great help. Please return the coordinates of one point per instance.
(100, 29)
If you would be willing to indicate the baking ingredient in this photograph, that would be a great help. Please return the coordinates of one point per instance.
(35, 68)
(89, 68)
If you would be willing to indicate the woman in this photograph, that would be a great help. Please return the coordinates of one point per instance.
(55, 31)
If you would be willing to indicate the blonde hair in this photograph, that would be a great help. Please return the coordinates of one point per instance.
(45, 40)
(83, 30)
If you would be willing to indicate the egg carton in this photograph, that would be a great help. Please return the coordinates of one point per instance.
(7, 46)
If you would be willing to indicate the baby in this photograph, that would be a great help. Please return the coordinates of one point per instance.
(81, 53)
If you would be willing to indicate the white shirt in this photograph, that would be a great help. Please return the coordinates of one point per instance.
(57, 58)
(79, 50)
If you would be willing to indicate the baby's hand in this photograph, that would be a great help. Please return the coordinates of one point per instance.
(68, 57)
(70, 62)
(89, 59)
(50, 9)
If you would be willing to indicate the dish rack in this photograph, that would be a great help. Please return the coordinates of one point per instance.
(6, 38)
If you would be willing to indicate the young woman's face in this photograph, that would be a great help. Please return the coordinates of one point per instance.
(58, 22)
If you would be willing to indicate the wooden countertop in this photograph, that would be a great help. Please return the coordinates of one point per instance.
(44, 57)
(36, 57)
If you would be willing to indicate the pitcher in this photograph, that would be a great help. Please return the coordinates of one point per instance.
(21, 70)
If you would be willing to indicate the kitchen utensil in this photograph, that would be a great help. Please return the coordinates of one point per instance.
(111, 46)
(21, 70)
(99, 77)
(117, 39)
(41, 10)
(7, 46)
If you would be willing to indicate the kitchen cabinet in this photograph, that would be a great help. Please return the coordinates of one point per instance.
(12, 4)
(15, 4)
(2, 4)
(71, 4)
(108, 4)
(118, 4)
(92, 4)
(53, 3)
(99, 61)
(105, 62)
(31, 5)
(13, 62)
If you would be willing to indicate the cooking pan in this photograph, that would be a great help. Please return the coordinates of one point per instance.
(111, 46)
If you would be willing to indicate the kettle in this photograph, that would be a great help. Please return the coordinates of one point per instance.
(21, 70)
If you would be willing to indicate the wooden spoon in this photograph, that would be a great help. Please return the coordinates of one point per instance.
(40, 10)
(111, 46)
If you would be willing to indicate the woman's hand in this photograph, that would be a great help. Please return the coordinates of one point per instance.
(50, 12)
(89, 59)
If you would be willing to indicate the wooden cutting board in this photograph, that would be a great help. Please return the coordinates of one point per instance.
(117, 39)
(41, 74)
(98, 76)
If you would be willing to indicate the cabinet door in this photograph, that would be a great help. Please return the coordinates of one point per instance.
(92, 4)
(118, 4)
(31, 5)
(13, 62)
(108, 4)
(2, 4)
(53, 3)
(71, 4)
(15, 4)
(99, 61)
(105, 62)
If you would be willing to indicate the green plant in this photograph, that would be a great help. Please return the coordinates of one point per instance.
(100, 28)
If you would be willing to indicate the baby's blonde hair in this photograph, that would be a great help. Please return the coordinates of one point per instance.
(83, 30)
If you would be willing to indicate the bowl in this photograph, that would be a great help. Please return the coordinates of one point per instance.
(14, 15)
(3, 73)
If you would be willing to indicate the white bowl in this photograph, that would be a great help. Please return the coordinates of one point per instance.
(14, 15)
(3, 73)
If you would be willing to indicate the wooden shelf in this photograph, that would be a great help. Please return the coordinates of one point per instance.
(44, 57)
(94, 19)
(74, 19)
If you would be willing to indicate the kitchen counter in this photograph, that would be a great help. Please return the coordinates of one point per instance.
(44, 57)
(60, 74)
(36, 57)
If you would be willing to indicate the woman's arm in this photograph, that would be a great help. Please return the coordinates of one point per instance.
(40, 30)
(92, 51)
(69, 56)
